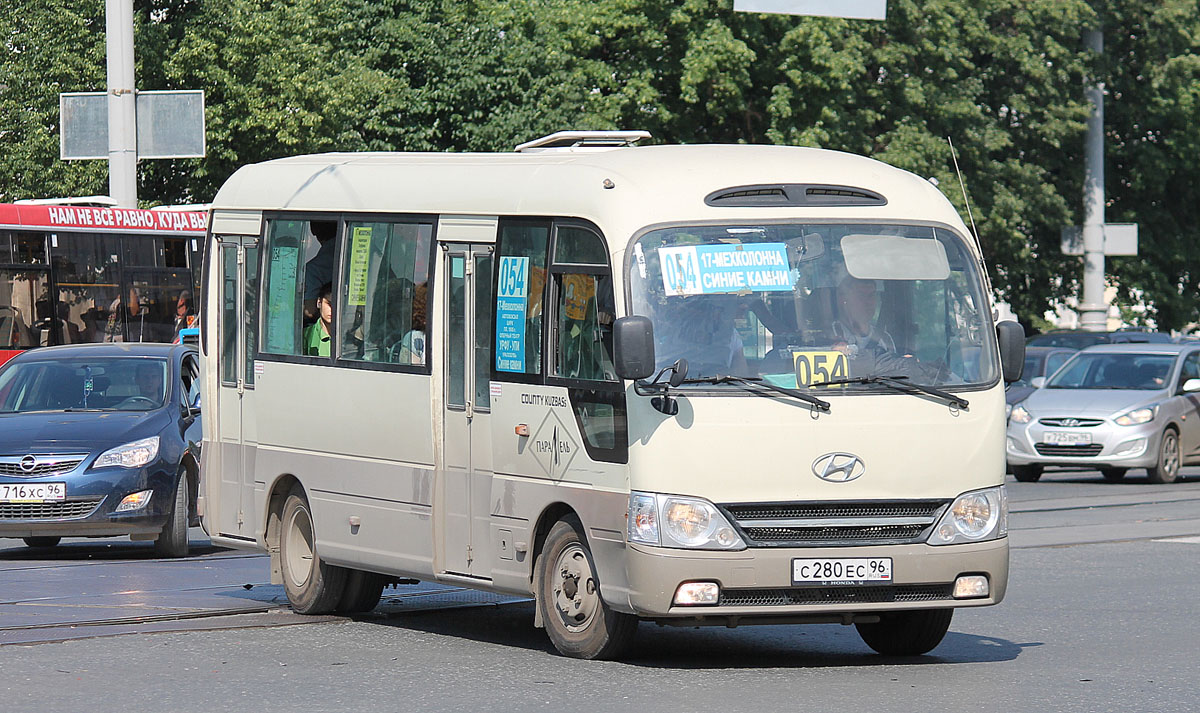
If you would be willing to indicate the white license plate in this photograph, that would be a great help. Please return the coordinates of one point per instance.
(32, 492)
(1067, 438)
(852, 570)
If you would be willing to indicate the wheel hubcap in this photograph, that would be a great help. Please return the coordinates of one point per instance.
(299, 558)
(1170, 454)
(574, 589)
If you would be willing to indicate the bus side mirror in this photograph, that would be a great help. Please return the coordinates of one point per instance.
(634, 337)
(1011, 337)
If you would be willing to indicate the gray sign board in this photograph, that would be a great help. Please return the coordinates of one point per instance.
(1119, 239)
(852, 9)
(170, 124)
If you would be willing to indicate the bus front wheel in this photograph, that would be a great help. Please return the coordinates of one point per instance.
(312, 586)
(907, 633)
(579, 623)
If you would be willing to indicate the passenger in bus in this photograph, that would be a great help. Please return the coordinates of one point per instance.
(184, 316)
(317, 339)
(855, 329)
(133, 313)
(411, 347)
(319, 269)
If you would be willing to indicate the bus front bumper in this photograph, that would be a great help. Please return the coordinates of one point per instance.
(757, 583)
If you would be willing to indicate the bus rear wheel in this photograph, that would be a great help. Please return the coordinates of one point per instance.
(312, 586)
(579, 623)
(362, 592)
(907, 633)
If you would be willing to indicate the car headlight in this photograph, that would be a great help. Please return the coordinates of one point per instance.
(1019, 414)
(973, 517)
(677, 521)
(1136, 416)
(130, 455)
(1007, 410)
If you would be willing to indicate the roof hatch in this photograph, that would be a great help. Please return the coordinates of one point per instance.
(583, 141)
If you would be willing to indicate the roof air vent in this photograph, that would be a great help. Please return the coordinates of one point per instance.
(583, 141)
(786, 195)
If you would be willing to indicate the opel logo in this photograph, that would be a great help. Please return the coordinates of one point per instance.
(838, 467)
(28, 463)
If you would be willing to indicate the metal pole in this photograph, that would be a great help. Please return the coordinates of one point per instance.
(122, 118)
(1093, 311)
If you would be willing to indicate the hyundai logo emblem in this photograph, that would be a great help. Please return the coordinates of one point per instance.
(1070, 422)
(28, 463)
(838, 467)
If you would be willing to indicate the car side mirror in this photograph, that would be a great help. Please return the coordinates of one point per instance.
(1011, 338)
(1037, 382)
(634, 342)
(1191, 385)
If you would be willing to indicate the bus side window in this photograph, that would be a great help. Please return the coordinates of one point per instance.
(300, 260)
(384, 292)
(581, 341)
(520, 286)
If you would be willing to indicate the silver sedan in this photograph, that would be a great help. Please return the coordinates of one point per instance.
(1112, 407)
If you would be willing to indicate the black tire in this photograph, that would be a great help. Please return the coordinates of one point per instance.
(41, 541)
(907, 633)
(1113, 475)
(312, 586)
(173, 540)
(1166, 469)
(362, 592)
(579, 623)
(1027, 473)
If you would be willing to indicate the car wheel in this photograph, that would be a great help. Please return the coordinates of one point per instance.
(362, 592)
(1027, 473)
(1113, 475)
(1166, 470)
(312, 586)
(579, 623)
(41, 541)
(907, 633)
(173, 540)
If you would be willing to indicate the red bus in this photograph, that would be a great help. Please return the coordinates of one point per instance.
(72, 273)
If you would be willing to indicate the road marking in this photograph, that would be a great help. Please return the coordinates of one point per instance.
(1186, 540)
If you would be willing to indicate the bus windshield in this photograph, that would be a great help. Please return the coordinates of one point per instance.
(803, 305)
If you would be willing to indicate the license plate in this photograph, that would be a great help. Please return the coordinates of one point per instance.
(1067, 438)
(32, 492)
(845, 570)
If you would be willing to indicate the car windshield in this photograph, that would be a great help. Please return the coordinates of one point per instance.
(101, 384)
(1114, 371)
(799, 305)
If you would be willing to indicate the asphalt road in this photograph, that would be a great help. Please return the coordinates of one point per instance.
(1100, 616)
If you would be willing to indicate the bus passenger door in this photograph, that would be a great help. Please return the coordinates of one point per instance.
(235, 408)
(466, 433)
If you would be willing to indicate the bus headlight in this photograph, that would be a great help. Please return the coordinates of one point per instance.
(676, 521)
(973, 517)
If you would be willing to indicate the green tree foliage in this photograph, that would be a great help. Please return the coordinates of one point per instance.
(1003, 78)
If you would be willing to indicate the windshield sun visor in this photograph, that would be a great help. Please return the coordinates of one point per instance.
(894, 257)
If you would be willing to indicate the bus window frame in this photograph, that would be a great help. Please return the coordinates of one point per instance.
(537, 378)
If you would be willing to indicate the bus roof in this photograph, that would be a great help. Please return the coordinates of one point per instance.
(621, 189)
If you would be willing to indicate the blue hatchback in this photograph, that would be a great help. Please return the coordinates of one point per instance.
(99, 440)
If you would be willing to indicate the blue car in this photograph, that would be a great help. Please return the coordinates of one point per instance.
(98, 440)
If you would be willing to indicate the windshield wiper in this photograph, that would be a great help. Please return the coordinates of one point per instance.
(901, 383)
(748, 381)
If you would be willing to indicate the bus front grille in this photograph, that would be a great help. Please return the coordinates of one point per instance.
(806, 524)
(836, 595)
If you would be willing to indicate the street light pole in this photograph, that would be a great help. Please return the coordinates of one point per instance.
(122, 118)
(1094, 310)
